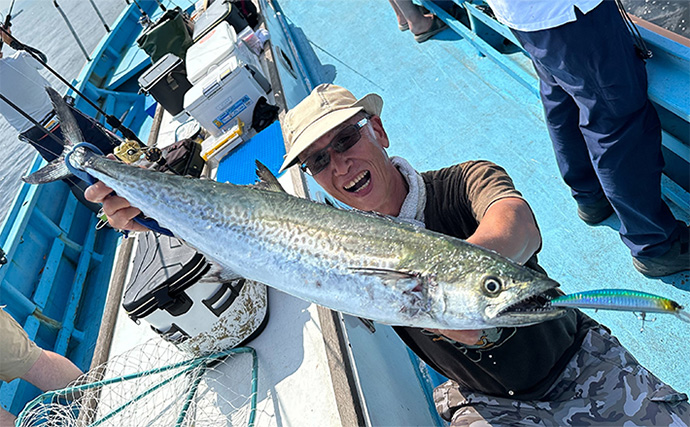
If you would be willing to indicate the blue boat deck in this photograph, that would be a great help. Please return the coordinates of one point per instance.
(55, 282)
(445, 102)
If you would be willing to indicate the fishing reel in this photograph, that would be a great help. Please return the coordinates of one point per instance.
(130, 152)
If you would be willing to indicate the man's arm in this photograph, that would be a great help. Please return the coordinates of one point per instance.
(6, 38)
(52, 371)
(508, 227)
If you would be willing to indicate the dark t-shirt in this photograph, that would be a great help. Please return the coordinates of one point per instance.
(520, 363)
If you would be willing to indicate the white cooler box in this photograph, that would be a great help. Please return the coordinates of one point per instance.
(212, 50)
(231, 91)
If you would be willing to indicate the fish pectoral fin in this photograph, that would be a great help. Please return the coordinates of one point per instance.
(267, 181)
(415, 289)
(387, 273)
(417, 280)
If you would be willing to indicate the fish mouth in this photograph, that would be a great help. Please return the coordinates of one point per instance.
(359, 182)
(533, 309)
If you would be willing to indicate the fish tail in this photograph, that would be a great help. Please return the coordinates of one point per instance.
(70, 128)
(72, 135)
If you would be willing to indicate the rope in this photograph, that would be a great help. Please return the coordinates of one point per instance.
(640, 45)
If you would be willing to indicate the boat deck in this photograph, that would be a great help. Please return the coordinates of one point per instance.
(445, 103)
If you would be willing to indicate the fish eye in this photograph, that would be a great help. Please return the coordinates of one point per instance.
(492, 285)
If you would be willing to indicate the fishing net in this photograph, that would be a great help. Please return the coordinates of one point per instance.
(155, 384)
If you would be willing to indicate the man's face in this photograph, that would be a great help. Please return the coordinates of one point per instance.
(361, 176)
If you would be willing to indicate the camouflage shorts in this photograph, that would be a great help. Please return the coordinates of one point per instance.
(603, 385)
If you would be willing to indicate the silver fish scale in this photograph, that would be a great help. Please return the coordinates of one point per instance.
(359, 264)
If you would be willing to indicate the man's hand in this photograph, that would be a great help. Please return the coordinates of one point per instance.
(5, 38)
(119, 211)
(467, 337)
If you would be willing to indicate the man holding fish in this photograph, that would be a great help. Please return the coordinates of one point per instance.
(563, 371)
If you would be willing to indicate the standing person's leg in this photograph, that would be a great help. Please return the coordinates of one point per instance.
(623, 133)
(562, 120)
(422, 26)
(402, 21)
(594, 60)
(417, 21)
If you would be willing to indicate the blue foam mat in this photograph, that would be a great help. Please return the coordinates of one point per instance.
(239, 167)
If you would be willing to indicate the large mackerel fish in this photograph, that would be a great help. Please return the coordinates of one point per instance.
(357, 263)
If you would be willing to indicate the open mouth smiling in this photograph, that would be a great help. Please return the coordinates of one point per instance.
(361, 181)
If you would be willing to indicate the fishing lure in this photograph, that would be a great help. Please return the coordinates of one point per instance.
(622, 300)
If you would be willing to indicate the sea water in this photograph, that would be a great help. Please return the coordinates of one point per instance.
(39, 24)
(672, 15)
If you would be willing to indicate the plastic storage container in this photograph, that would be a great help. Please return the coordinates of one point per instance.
(231, 91)
(167, 82)
(218, 12)
(207, 54)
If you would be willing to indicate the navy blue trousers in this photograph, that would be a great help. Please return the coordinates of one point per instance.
(606, 133)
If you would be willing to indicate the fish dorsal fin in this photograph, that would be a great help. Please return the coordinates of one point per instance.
(267, 181)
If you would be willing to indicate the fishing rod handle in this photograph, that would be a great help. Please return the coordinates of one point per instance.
(141, 219)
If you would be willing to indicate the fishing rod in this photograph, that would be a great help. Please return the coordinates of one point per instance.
(144, 20)
(98, 12)
(8, 18)
(71, 29)
(110, 119)
(32, 120)
(15, 44)
(128, 152)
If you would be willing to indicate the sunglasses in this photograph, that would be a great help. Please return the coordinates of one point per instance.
(343, 141)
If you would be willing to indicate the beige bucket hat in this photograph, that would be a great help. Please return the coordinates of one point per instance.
(326, 107)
